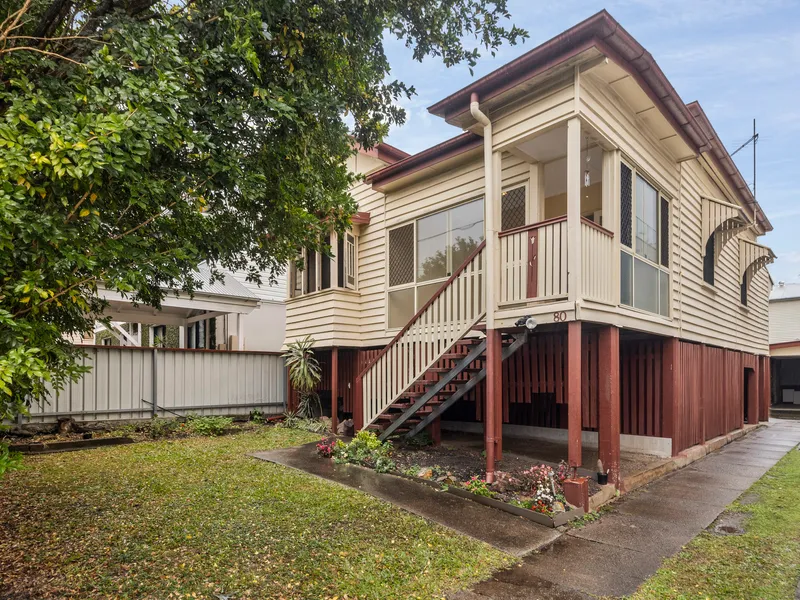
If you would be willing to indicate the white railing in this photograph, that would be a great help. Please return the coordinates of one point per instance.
(533, 262)
(597, 263)
(447, 317)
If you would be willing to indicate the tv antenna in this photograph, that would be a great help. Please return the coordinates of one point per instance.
(754, 140)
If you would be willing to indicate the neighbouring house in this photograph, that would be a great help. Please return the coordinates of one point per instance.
(784, 347)
(232, 314)
(581, 263)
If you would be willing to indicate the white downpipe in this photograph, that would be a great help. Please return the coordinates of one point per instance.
(488, 212)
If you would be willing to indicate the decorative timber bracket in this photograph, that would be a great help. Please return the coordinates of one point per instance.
(722, 220)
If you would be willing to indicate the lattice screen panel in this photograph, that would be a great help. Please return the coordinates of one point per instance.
(626, 210)
(513, 209)
(401, 255)
(665, 247)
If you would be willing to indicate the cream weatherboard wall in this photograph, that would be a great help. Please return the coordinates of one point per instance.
(784, 321)
(698, 312)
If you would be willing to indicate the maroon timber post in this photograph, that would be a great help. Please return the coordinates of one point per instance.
(358, 400)
(574, 425)
(494, 365)
(670, 378)
(766, 388)
(334, 389)
(609, 402)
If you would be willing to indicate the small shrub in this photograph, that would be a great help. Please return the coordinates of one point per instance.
(325, 448)
(161, 428)
(9, 461)
(294, 420)
(412, 471)
(365, 449)
(210, 426)
(478, 487)
(258, 417)
(384, 464)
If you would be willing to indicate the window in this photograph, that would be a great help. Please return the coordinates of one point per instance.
(708, 261)
(318, 272)
(743, 290)
(423, 254)
(644, 227)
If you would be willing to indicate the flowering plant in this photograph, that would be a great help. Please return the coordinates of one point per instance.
(325, 448)
(478, 487)
(541, 483)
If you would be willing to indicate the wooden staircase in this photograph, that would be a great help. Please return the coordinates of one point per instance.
(433, 361)
(440, 387)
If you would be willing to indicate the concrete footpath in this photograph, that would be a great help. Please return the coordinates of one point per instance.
(614, 555)
(512, 534)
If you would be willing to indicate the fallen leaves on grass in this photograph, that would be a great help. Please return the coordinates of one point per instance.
(195, 518)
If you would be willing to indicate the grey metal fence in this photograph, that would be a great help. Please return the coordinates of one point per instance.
(136, 383)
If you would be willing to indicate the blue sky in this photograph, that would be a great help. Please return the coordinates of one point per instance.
(738, 58)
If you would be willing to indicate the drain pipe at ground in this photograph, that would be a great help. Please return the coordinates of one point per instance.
(493, 340)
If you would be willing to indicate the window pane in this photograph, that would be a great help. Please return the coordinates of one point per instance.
(326, 269)
(401, 307)
(466, 222)
(513, 209)
(340, 260)
(432, 247)
(663, 288)
(311, 271)
(425, 292)
(626, 279)
(646, 220)
(401, 255)
(645, 286)
(350, 262)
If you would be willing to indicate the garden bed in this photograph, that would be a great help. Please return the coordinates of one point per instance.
(531, 491)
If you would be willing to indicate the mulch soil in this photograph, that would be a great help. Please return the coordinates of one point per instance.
(463, 463)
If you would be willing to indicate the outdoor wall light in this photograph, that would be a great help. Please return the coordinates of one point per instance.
(528, 322)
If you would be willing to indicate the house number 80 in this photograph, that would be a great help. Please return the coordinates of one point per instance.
(559, 316)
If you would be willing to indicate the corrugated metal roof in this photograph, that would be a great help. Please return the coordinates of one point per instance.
(227, 287)
(785, 291)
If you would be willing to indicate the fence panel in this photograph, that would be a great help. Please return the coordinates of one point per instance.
(120, 385)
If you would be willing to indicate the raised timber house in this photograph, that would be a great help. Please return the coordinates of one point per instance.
(583, 198)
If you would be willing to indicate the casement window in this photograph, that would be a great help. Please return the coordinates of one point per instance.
(423, 254)
(708, 261)
(321, 272)
(644, 237)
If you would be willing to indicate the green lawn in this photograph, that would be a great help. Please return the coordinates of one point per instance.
(196, 517)
(763, 563)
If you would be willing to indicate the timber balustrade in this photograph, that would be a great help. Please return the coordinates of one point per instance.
(598, 267)
(533, 261)
(447, 317)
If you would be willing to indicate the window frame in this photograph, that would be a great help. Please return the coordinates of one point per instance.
(415, 283)
(296, 275)
(631, 251)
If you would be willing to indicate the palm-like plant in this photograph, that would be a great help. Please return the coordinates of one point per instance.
(304, 374)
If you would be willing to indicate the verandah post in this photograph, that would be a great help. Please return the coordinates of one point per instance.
(334, 389)
(609, 402)
(574, 425)
(494, 363)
